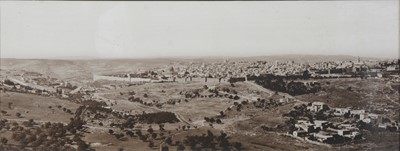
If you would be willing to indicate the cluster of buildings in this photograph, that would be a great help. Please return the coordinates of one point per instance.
(326, 131)
(236, 69)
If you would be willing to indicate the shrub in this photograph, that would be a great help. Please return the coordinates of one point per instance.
(18, 114)
(4, 141)
(158, 118)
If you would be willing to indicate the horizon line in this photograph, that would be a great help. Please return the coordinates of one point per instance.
(182, 57)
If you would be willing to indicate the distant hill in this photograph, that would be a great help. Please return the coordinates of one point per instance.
(77, 70)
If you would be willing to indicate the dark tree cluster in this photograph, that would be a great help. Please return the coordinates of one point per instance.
(211, 141)
(64, 109)
(192, 93)
(129, 123)
(238, 106)
(48, 136)
(293, 88)
(174, 101)
(337, 139)
(93, 107)
(9, 82)
(227, 90)
(264, 104)
(213, 120)
(271, 76)
(139, 100)
(4, 124)
(299, 111)
(233, 80)
(158, 118)
(29, 123)
(266, 128)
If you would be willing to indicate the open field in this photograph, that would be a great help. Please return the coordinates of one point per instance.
(35, 107)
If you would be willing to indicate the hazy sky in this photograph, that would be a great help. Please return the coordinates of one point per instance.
(162, 29)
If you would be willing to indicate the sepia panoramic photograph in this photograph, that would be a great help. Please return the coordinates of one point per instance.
(199, 75)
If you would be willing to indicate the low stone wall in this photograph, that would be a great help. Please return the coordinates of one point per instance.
(111, 78)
